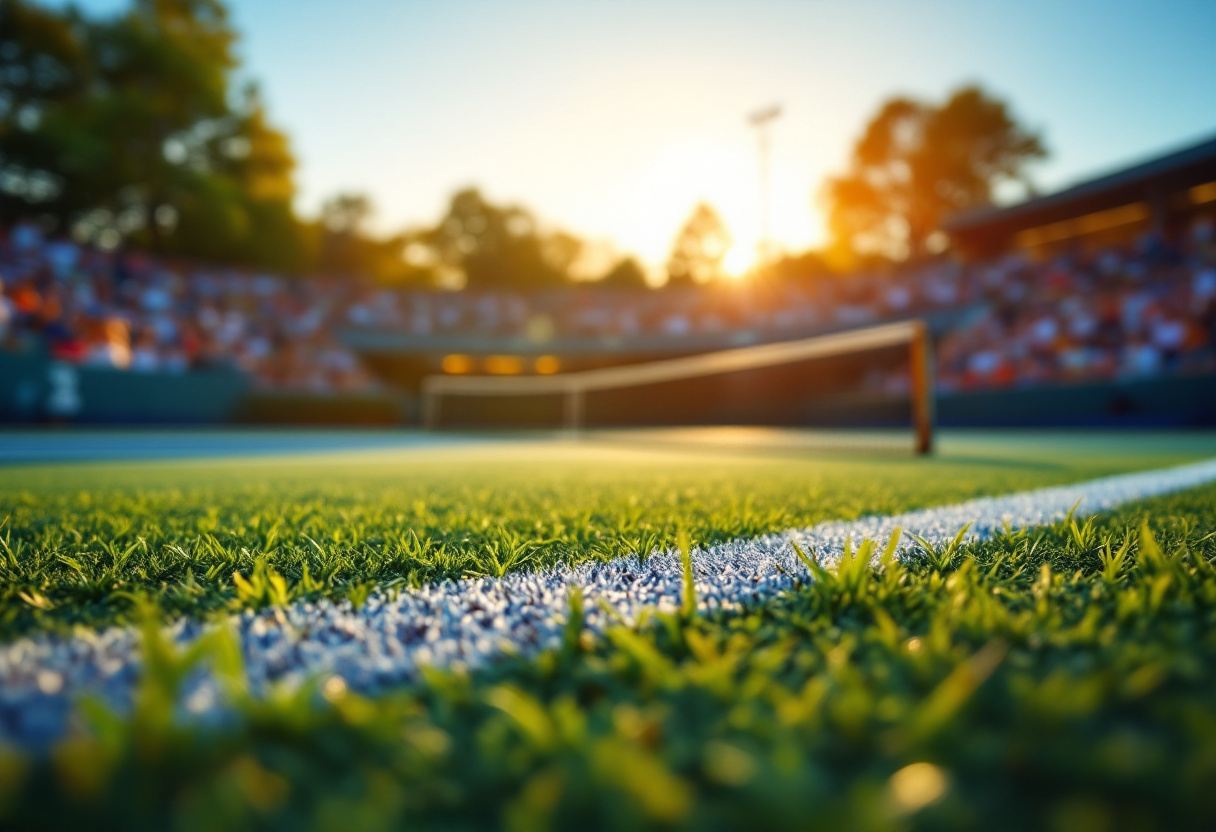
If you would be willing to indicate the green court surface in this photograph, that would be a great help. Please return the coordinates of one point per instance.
(357, 511)
(1059, 678)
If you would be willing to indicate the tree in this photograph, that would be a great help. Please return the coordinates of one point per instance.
(341, 235)
(44, 62)
(804, 268)
(343, 246)
(916, 163)
(626, 274)
(250, 161)
(136, 132)
(561, 250)
(347, 213)
(500, 247)
(699, 249)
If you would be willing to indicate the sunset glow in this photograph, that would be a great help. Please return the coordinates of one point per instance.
(614, 130)
(651, 202)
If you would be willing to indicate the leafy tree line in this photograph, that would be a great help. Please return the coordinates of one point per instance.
(476, 243)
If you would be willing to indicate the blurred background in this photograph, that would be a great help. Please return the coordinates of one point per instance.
(286, 213)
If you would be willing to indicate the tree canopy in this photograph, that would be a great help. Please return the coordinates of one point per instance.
(699, 250)
(133, 128)
(625, 274)
(916, 163)
(487, 246)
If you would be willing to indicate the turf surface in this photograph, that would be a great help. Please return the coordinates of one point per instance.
(1060, 678)
(80, 543)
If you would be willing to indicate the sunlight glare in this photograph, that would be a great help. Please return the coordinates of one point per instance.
(648, 207)
(739, 261)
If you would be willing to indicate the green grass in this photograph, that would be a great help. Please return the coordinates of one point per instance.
(80, 543)
(1057, 679)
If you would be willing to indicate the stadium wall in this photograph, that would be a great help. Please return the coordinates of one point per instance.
(34, 388)
(383, 409)
(1169, 402)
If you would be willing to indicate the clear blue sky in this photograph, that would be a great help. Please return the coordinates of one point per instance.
(612, 118)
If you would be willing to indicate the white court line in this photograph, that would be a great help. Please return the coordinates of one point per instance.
(470, 622)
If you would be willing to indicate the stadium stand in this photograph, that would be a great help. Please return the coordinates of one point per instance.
(1159, 196)
(1110, 281)
(133, 312)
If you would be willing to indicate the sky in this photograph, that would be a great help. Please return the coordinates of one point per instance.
(612, 118)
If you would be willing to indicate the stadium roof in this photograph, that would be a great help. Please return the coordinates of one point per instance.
(1149, 181)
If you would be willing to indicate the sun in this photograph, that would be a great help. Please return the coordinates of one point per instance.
(650, 205)
(739, 261)
(649, 202)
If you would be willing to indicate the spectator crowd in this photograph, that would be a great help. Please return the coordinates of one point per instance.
(133, 312)
(1104, 315)
(1140, 311)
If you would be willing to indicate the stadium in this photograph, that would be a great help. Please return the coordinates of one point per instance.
(307, 522)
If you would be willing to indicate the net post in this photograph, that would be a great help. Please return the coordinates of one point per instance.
(430, 409)
(921, 365)
(573, 408)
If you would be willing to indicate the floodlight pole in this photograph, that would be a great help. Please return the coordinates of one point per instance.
(761, 119)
